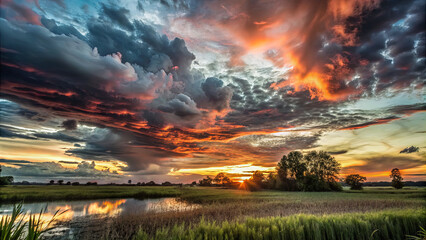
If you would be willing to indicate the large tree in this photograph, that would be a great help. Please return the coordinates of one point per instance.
(355, 181)
(396, 178)
(290, 170)
(314, 171)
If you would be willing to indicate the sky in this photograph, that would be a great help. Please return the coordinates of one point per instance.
(174, 90)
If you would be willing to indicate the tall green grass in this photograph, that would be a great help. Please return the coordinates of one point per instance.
(369, 226)
(14, 227)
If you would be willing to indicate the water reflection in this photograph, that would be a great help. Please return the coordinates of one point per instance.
(99, 208)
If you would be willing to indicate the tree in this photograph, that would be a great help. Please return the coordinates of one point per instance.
(68, 183)
(151, 183)
(219, 178)
(314, 171)
(51, 182)
(396, 178)
(129, 182)
(355, 181)
(166, 183)
(226, 181)
(257, 177)
(60, 182)
(291, 169)
(206, 181)
(321, 172)
(271, 180)
(291, 166)
(6, 180)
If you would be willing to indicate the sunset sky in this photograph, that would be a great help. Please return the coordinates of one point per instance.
(173, 90)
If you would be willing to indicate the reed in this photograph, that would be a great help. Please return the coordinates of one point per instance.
(15, 226)
(369, 226)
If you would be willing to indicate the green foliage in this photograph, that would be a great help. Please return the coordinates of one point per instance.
(66, 192)
(206, 181)
(382, 225)
(421, 235)
(13, 227)
(396, 178)
(355, 181)
(314, 171)
(221, 179)
(6, 180)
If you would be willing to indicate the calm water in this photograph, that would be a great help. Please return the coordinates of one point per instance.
(83, 211)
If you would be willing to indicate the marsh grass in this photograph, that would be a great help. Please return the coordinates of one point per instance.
(17, 226)
(222, 205)
(13, 194)
(381, 225)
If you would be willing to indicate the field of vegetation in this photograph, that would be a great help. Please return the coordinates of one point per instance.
(237, 209)
(372, 213)
(34, 193)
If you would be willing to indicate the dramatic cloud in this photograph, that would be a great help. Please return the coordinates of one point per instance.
(169, 85)
(46, 170)
(69, 124)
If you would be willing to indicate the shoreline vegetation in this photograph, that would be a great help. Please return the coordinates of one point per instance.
(396, 225)
(40, 193)
(302, 199)
(233, 213)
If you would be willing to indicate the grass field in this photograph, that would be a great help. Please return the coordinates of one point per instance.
(11, 194)
(233, 208)
(394, 225)
(232, 213)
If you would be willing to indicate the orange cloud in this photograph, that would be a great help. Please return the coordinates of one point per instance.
(292, 33)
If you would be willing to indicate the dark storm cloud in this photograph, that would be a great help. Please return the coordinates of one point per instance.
(57, 136)
(61, 29)
(69, 124)
(182, 106)
(118, 15)
(9, 133)
(218, 95)
(410, 149)
(139, 89)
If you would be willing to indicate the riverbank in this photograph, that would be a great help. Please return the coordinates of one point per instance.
(37, 193)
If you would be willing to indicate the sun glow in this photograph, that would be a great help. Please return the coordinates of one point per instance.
(238, 173)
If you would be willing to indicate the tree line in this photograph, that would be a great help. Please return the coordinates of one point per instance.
(312, 171)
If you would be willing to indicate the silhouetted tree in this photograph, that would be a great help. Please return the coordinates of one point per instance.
(219, 178)
(194, 183)
(226, 181)
(321, 172)
(151, 183)
(396, 178)
(129, 182)
(68, 183)
(291, 169)
(355, 181)
(206, 181)
(51, 182)
(257, 178)
(272, 180)
(75, 183)
(166, 183)
(314, 171)
(60, 182)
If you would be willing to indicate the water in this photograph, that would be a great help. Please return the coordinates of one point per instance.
(79, 212)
